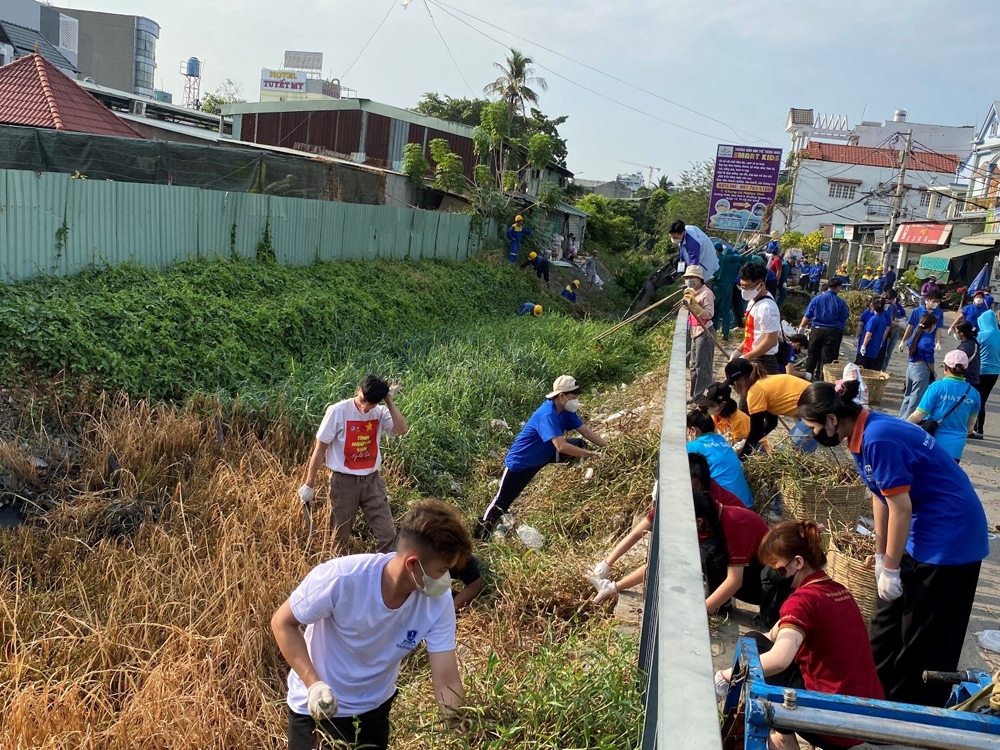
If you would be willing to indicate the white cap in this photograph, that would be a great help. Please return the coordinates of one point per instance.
(694, 272)
(563, 384)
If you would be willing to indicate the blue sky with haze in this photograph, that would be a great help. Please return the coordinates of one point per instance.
(743, 62)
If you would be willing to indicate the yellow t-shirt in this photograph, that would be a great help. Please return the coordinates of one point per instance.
(736, 426)
(778, 394)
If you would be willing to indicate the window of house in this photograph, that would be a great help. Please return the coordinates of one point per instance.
(842, 190)
(993, 127)
(143, 75)
(536, 174)
(925, 198)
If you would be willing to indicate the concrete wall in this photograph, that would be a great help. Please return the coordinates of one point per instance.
(814, 206)
(945, 139)
(22, 12)
(107, 47)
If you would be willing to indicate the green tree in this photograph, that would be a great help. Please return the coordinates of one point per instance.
(517, 76)
(415, 165)
(229, 92)
(690, 202)
(463, 110)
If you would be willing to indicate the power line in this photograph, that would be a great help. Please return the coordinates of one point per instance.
(428, 7)
(606, 75)
(372, 37)
(580, 85)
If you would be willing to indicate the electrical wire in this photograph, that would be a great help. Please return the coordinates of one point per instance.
(370, 39)
(606, 75)
(715, 138)
(427, 5)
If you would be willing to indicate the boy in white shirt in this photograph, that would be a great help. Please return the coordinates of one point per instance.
(363, 614)
(348, 442)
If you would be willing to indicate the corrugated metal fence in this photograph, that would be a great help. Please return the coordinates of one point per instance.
(53, 224)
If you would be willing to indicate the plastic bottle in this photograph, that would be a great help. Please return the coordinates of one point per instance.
(990, 639)
(506, 524)
(531, 537)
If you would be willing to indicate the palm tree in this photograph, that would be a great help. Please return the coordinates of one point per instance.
(665, 184)
(515, 82)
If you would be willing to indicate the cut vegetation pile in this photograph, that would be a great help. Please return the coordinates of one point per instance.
(160, 538)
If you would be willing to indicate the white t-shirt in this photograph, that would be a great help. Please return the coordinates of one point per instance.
(355, 642)
(353, 437)
(762, 317)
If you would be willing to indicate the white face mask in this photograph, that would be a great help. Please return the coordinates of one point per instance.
(979, 301)
(432, 587)
(933, 305)
(691, 283)
(749, 294)
(572, 405)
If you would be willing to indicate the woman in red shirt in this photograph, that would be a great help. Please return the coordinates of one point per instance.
(821, 641)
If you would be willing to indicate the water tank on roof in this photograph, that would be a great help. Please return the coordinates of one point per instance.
(193, 67)
(900, 116)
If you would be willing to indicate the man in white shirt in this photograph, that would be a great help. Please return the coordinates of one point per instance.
(363, 614)
(762, 321)
(695, 248)
(348, 442)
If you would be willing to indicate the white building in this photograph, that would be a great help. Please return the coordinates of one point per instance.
(980, 174)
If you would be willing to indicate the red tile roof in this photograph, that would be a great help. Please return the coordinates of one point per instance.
(36, 93)
(879, 157)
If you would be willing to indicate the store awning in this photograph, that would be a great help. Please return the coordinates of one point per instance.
(986, 239)
(939, 262)
(565, 208)
(923, 234)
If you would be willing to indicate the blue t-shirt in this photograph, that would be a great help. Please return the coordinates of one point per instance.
(948, 525)
(569, 294)
(723, 465)
(817, 271)
(533, 447)
(827, 310)
(925, 347)
(876, 326)
(939, 399)
(919, 312)
(972, 313)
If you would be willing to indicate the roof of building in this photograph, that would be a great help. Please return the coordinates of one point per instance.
(25, 40)
(34, 92)
(879, 157)
(800, 116)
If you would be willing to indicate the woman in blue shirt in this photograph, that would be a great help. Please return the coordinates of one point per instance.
(871, 336)
(723, 463)
(989, 366)
(920, 371)
(953, 403)
(930, 539)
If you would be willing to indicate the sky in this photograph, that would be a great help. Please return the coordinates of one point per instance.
(739, 64)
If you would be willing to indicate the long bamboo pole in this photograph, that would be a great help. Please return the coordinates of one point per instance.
(638, 315)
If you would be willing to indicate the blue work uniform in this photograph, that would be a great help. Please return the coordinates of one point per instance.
(875, 324)
(816, 272)
(948, 526)
(723, 464)
(827, 310)
(890, 279)
(569, 293)
(528, 308)
(919, 312)
(972, 313)
(878, 286)
(515, 236)
(939, 403)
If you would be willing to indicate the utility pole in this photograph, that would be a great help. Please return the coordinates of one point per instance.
(897, 198)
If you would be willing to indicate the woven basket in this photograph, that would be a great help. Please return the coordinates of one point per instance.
(833, 372)
(876, 380)
(856, 577)
(815, 501)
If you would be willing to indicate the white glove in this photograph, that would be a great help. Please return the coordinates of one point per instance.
(721, 684)
(602, 570)
(937, 346)
(322, 702)
(605, 588)
(901, 347)
(736, 355)
(863, 351)
(306, 494)
(809, 377)
(879, 567)
(890, 588)
(801, 329)
(395, 387)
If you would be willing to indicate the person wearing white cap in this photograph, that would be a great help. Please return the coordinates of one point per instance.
(542, 441)
(700, 301)
(950, 406)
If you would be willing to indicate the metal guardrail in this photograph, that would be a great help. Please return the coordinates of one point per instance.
(675, 650)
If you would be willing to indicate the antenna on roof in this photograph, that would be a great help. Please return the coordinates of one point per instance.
(36, 47)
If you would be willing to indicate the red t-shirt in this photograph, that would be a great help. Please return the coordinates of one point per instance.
(744, 531)
(723, 496)
(835, 656)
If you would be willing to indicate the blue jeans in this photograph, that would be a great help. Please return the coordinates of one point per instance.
(918, 377)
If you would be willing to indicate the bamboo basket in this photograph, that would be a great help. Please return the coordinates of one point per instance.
(811, 500)
(855, 576)
(876, 380)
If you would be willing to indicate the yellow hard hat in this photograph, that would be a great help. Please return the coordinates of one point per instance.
(881, 268)
(518, 219)
(536, 310)
(576, 283)
(532, 255)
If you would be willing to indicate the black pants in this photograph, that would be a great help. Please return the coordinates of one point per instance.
(923, 629)
(985, 388)
(543, 273)
(367, 731)
(512, 484)
(769, 362)
(869, 363)
(824, 348)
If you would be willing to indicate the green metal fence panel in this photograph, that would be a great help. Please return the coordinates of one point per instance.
(51, 223)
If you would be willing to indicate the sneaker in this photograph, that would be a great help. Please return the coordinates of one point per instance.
(975, 436)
